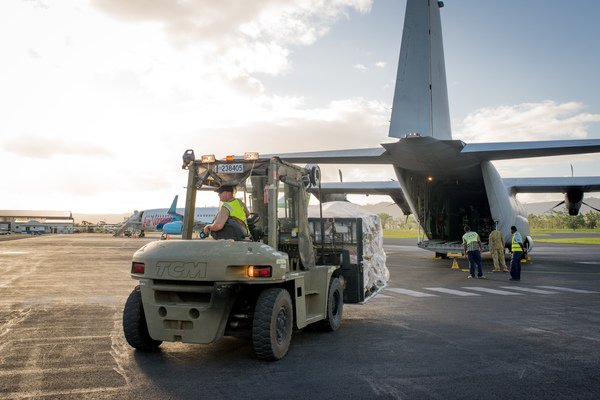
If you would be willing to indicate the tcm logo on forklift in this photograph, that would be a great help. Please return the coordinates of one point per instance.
(180, 269)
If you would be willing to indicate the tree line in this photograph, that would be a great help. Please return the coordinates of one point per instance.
(562, 220)
(551, 220)
(397, 224)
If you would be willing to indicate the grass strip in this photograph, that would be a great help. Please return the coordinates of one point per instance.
(400, 234)
(592, 241)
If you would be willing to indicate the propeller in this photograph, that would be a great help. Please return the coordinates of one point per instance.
(593, 208)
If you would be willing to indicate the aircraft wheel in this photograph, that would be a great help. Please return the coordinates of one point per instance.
(335, 306)
(272, 324)
(134, 323)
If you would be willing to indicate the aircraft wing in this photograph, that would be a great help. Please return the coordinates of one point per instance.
(353, 156)
(553, 185)
(512, 150)
(520, 185)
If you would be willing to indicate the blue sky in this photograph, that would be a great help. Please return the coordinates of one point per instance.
(100, 98)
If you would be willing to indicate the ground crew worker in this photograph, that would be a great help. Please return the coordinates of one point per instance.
(517, 253)
(472, 250)
(497, 249)
(231, 208)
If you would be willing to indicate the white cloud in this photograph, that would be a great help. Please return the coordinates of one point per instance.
(380, 64)
(36, 146)
(104, 96)
(231, 24)
(101, 97)
(527, 122)
(284, 125)
(360, 67)
(547, 120)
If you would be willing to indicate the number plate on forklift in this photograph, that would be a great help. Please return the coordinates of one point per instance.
(230, 168)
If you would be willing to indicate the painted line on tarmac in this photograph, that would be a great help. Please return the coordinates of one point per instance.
(451, 291)
(493, 291)
(414, 293)
(524, 289)
(567, 289)
(411, 292)
(562, 273)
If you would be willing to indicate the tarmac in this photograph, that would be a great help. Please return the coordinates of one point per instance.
(432, 334)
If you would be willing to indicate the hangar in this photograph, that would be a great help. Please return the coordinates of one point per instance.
(28, 221)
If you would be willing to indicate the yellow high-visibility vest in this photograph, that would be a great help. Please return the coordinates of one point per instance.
(236, 210)
(516, 241)
(471, 239)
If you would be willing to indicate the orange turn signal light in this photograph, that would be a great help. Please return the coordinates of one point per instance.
(259, 272)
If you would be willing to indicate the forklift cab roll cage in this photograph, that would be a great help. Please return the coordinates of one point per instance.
(284, 222)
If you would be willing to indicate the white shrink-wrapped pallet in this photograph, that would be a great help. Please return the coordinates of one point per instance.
(375, 272)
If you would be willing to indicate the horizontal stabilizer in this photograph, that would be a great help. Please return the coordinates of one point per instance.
(553, 185)
(351, 156)
(547, 148)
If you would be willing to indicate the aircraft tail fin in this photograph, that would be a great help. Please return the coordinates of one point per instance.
(421, 95)
(173, 209)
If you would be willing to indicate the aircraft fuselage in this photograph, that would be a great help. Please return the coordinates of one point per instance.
(447, 190)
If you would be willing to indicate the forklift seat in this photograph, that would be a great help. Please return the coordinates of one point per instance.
(231, 230)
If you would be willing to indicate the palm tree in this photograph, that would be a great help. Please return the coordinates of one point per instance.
(385, 218)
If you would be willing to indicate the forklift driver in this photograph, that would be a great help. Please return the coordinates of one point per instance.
(230, 222)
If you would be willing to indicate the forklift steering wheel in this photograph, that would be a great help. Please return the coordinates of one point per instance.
(253, 219)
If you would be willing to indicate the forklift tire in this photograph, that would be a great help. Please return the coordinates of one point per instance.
(134, 324)
(272, 324)
(335, 306)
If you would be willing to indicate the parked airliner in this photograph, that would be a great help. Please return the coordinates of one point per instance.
(168, 220)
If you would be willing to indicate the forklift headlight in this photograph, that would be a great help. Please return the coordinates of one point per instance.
(251, 156)
(259, 272)
(138, 268)
(210, 158)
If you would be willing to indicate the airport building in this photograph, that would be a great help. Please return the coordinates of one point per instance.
(28, 221)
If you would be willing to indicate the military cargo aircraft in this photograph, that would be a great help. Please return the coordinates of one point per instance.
(443, 182)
